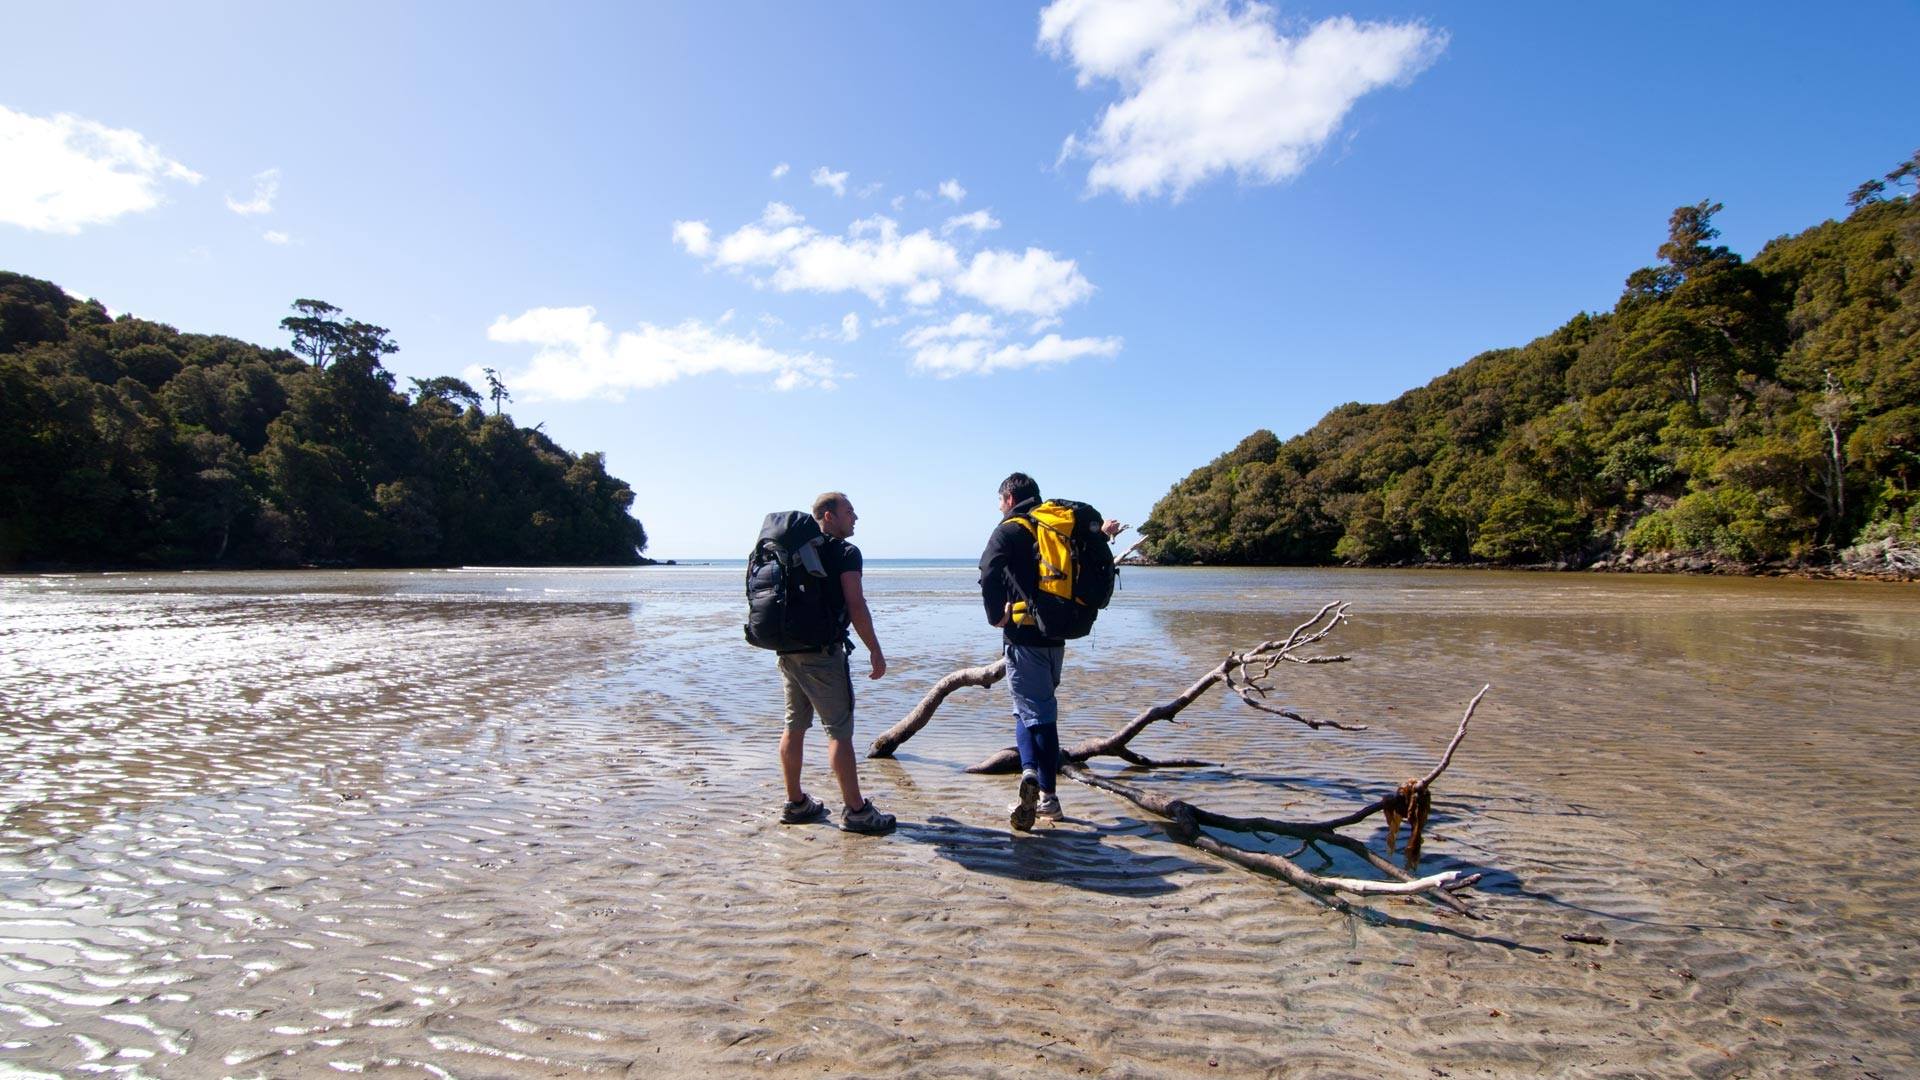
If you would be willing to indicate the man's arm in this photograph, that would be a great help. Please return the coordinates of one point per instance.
(993, 581)
(856, 595)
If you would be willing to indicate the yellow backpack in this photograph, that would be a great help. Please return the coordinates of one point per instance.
(1077, 574)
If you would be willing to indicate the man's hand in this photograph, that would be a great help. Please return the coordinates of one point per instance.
(1112, 528)
(879, 664)
(1006, 616)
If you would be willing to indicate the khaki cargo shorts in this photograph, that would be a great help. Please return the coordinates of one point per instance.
(819, 683)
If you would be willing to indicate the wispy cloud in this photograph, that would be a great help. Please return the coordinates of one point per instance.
(979, 221)
(1213, 86)
(827, 178)
(876, 259)
(266, 188)
(951, 189)
(779, 214)
(780, 170)
(967, 324)
(63, 173)
(948, 355)
(275, 236)
(580, 357)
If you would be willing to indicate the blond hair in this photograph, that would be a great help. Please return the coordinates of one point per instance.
(828, 500)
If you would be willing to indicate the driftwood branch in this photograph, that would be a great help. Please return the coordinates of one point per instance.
(984, 676)
(1407, 802)
(1248, 674)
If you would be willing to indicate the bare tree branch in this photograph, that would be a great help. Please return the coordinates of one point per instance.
(984, 676)
(1248, 675)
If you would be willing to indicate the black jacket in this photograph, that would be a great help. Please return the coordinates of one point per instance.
(1010, 570)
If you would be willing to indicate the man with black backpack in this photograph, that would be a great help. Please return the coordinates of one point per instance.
(1044, 576)
(804, 590)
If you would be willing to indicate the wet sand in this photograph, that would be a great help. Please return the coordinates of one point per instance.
(521, 823)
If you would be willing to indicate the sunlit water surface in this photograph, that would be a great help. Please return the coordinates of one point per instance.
(519, 822)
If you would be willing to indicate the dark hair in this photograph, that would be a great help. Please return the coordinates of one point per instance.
(1020, 487)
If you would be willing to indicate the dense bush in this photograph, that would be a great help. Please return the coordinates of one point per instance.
(1755, 411)
(124, 441)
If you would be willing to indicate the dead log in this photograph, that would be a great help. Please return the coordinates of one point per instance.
(1187, 821)
(1248, 674)
(983, 676)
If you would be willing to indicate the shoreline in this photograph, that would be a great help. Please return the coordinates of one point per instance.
(1677, 565)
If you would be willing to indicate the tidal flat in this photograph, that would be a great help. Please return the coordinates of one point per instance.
(518, 823)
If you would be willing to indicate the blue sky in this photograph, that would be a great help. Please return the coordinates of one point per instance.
(1207, 217)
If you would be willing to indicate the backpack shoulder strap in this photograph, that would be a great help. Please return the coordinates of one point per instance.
(809, 556)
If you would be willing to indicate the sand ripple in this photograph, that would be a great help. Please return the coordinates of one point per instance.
(512, 824)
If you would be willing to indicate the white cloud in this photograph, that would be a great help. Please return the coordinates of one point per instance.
(846, 331)
(898, 202)
(978, 221)
(978, 356)
(951, 189)
(968, 344)
(1211, 87)
(967, 324)
(1035, 283)
(779, 214)
(580, 357)
(266, 188)
(65, 172)
(824, 177)
(275, 236)
(874, 258)
(753, 245)
(780, 170)
(868, 191)
(694, 236)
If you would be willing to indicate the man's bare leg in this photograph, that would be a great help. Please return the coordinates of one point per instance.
(793, 745)
(840, 756)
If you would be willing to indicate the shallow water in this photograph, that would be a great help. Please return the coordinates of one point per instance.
(518, 823)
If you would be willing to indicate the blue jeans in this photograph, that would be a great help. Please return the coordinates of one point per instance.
(1033, 673)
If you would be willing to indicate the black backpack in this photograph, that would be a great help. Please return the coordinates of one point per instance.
(790, 605)
(1077, 574)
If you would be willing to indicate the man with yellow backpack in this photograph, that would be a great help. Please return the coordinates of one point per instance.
(1044, 576)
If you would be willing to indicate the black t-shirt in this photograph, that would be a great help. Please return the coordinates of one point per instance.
(839, 557)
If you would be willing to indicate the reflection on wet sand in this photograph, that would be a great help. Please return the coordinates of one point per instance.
(517, 823)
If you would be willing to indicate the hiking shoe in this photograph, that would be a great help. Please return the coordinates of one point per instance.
(867, 819)
(1048, 807)
(806, 810)
(1020, 814)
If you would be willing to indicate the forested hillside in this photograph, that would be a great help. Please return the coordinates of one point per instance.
(1763, 411)
(126, 442)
